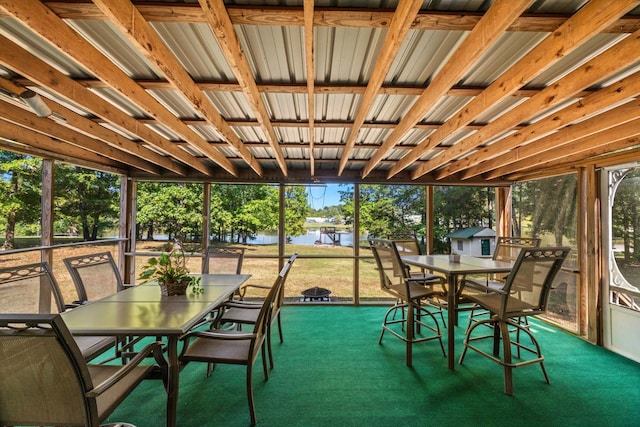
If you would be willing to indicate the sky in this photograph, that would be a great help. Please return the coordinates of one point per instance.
(324, 195)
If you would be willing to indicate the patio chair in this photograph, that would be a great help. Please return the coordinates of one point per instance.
(245, 312)
(223, 260)
(408, 245)
(394, 280)
(235, 347)
(33, 289)
(507, 249)
(95, 276)
(525, 293)
(44, 379)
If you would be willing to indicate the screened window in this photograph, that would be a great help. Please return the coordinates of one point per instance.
(547, 208)
(625, 220)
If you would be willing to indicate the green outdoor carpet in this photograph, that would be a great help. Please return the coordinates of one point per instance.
(330, 371)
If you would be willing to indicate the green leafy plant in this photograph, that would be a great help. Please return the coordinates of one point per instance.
(170, 267)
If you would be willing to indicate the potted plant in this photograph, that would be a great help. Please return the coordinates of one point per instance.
(171, 273)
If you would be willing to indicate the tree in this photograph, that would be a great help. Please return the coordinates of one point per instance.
(20, 192)
(296, 210)
(88, 198)
(457, 207)
(625, 217)
(551, 205)
(175, 209)
(386, 209)
(244, 210)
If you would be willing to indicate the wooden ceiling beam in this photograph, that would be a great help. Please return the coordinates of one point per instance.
(626, 150)
(127, 18)
(49, 127)
(618, 124)
(591, 19)
(328, 17)
(319, 89)
(54, 148)
(40, 73)
(573, 118)
(220, 23)
(401, 21)
(47, 25)
(614, 59)
(308, 8)
(492, 25)
(88, 127)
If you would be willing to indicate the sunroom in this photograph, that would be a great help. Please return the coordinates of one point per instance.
(531, 105)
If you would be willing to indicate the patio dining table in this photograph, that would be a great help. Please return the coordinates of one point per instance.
(143, 311)
(453, 270)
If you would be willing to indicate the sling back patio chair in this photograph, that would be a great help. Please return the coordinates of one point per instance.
(96, 276)
(507, 249)
(33, 289)
(408, 245)
(394, 280)
(230, 346)
(525, 293)
(245, 312)
(44, 379)
(223, 260)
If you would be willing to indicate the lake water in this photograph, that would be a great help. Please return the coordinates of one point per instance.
(312, 237)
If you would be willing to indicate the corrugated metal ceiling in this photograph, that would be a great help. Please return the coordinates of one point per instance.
(346, 56)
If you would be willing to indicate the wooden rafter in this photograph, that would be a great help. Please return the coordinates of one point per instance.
(126, 17)
(493, 24)
(319, 89)
(618, 124)
(605, 98)
(50, 27)
(24, 63)
(624, 53)
(57, 131)
(613, 152)
(404, 16)
(49, 146)
(221, 25)
(592, 18)
(309, 62)
(328, 17)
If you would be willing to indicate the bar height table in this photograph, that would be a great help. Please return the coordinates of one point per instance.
(452, 271)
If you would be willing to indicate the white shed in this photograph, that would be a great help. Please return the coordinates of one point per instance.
(474, 241)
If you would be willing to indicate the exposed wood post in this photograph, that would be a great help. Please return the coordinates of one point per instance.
(206, 223)
(429, 219)
(589, 255)
(504, 211)
(46, 224)
(128, 208)
(281, 226)
(356, 244)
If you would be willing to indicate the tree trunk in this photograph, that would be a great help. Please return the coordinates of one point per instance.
(9, 236)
